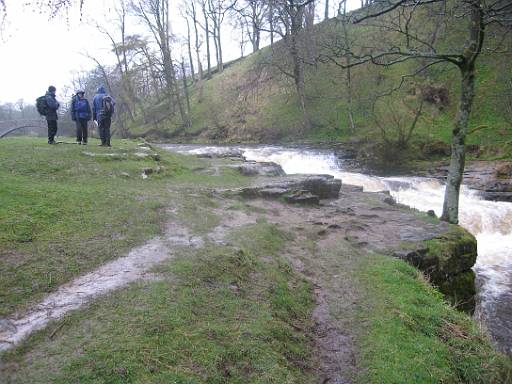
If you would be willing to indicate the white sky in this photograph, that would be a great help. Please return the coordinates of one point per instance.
(36, 52)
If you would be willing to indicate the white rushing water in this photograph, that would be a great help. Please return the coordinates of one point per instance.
(490, 222)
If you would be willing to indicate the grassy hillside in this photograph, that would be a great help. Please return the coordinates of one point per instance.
(252, 100)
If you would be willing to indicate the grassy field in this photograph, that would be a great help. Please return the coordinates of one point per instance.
(229, 312)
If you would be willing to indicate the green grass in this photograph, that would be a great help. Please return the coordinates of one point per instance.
(224, 314)
(64, 213)
(412, 336)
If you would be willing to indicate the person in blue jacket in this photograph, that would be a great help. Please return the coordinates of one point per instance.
(51, 113)
(81, 114)
(102, 110)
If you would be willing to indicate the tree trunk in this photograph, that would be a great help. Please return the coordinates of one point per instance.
(220, 63)
(326, 14)
(184, 116)
(349, 99)
(349, 71)
(216, 44)
(271, 22)
(255, 39)
(297, 15)
(197, 46)
(185, 86)
(207, 35)
(458, 157)
(467, 94)
(310, 44)
(189, 47)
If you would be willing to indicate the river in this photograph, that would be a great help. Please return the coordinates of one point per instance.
(490, 222)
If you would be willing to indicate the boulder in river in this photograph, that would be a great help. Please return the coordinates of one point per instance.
(307, 189)
(220, 152)
(492, 178)
(447, 260)
(252, 168)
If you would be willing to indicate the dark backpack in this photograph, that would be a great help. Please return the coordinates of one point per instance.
(107, 107)
(41, 105)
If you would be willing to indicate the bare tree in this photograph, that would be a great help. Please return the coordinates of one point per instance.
(121, 46)
(155, 14)
(291, 15)
(189, 49)
(191, 11)
(252, 18)
(217, 11)
(207, 32)
(347, 41)
(397, 132)
(185, 84)
(271, 20)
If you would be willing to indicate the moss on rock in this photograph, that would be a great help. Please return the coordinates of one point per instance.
(450, 258)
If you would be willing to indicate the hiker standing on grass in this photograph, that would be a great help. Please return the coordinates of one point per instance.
(81, 114)
(103, 109)
(51, 113)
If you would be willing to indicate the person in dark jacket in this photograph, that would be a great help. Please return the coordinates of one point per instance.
(51, 115)
(81, 114)
(102, 110)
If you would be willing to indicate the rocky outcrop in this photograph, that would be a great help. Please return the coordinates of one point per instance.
(447, 259)
(296, 189)
(220, 152)
(252, 168)
(492, 178)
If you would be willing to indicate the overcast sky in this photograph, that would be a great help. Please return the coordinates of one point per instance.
(36, 52)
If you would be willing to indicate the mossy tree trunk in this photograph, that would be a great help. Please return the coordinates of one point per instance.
(467, 95)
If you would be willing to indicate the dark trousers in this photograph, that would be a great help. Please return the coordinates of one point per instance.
(52, 130)
(104, 128)
(81, 130)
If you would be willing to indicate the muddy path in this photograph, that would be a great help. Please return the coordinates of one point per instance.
(328, 244)
(82, 290)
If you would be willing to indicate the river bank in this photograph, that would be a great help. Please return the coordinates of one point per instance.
(258, 290)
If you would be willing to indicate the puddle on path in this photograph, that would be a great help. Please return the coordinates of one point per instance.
(113, 275)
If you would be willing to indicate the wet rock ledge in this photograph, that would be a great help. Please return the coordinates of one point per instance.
(307, 189)
(444, 252)
(447, 259)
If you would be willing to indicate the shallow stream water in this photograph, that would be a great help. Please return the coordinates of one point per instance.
(490, 222)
